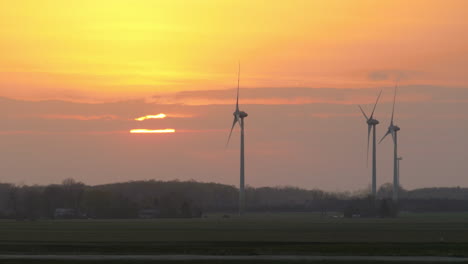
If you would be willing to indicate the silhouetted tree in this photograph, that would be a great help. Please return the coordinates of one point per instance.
(185, 210)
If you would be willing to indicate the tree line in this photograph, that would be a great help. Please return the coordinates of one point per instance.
(153, 198)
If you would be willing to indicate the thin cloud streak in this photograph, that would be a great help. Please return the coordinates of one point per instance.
(39, 132)
(74, 117)
(158, 116)
(152, 131)
(300, 96)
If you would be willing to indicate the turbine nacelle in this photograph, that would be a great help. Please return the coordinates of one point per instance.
(240, 114)
(393, 128)
(372, 121)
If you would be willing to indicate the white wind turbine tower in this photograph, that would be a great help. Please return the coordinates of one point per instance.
(371, 125)
(393, 130)
(239, 118)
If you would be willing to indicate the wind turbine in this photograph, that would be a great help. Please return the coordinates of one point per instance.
(239, 118)
(371, 124)
(393, 130)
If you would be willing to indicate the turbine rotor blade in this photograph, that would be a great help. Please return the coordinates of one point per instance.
(394, 100)
(376, 102)
(236, 119)
(238, 85)
(236, 114)
(362, 111)
(386, 134)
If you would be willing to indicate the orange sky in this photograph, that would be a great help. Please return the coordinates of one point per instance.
(112, 49)
(304, 67)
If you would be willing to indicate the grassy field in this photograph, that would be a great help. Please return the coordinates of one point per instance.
(211, 262)
(287, 233)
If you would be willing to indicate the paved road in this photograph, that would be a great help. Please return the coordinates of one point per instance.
(420, 259)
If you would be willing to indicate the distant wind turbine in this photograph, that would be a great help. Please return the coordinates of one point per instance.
(392, 130)
(239, 118)
(371, 124)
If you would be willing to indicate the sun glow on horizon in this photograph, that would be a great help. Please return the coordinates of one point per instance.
(150, 131)
(158, 116)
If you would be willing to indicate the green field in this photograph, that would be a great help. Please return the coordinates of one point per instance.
(254, 234)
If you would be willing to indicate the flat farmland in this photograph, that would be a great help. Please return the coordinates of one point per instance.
(253, 234)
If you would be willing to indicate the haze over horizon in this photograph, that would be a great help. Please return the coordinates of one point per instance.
(75, 76)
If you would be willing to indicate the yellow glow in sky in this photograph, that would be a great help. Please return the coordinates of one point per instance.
(158, 116)
(149, 131)
(120, 49)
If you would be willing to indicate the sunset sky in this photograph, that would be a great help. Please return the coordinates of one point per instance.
(112, 90)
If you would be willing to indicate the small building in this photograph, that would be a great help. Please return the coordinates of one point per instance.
(64, 213)
(148, 213)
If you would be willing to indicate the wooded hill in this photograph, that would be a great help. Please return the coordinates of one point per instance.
(193, 199)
